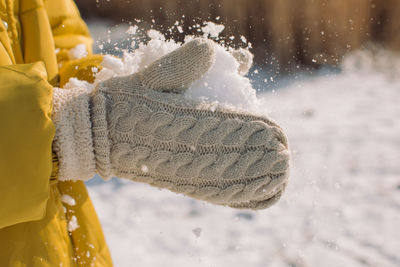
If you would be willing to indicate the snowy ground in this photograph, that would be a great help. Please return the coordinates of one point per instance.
(342, 205)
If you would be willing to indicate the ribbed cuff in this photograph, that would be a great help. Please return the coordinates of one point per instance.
(73, 139)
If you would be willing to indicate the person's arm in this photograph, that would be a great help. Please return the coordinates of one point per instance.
(141, 127)
(26, 135)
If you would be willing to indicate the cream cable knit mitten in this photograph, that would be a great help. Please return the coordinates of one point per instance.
(138, 127)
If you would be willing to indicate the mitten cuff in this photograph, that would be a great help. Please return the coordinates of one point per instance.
(73, 139)
(101, 141)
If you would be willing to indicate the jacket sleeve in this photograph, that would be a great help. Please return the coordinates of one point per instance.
(67, 26)
(69, 30)
(26, 134)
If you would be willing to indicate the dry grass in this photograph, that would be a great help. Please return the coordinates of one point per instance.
(289, 32)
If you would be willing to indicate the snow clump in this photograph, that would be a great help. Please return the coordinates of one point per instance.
(211, 29)
(78, 52)
(67, 199)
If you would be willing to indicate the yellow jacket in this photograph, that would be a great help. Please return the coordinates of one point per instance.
(33, 219)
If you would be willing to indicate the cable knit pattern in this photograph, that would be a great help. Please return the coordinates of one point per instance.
(144, 134)
(222, 156)
(73, 139)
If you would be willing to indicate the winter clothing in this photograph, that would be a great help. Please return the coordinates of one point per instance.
(33, 219)
(140, 127)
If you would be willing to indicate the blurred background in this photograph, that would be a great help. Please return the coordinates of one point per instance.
(328, 71)
(284, 34)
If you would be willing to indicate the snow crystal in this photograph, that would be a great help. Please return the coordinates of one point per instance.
(132, 30)
(67, 199)
(78, 52)
(211, 29)
(73, 224)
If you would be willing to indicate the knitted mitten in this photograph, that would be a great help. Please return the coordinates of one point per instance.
(139, 127)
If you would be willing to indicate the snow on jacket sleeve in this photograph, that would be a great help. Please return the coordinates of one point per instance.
(69, 30)
(26, 134)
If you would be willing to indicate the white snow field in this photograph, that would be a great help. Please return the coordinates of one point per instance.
(342, 204)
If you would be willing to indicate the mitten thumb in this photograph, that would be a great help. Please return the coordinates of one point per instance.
(177, 70)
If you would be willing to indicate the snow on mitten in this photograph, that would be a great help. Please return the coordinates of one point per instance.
(245, 59)
(137, 127)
